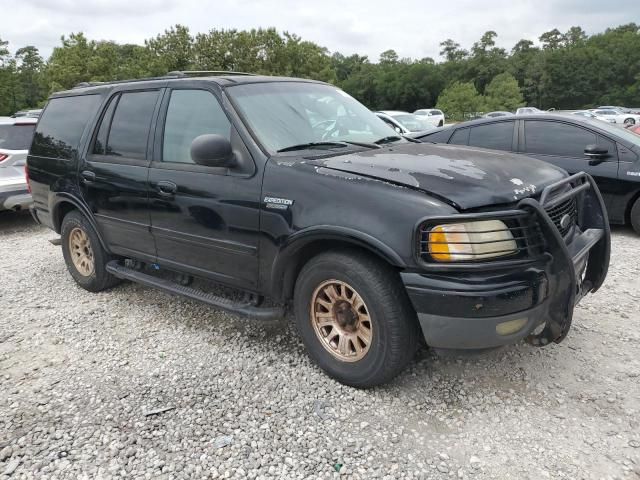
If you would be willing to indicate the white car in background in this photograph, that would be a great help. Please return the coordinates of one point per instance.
(432, 115)
(618, 116)
(405, 123)
(592, 116)
(528, 111)
(15, 140)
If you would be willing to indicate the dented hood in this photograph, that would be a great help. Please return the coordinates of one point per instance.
(465, 177)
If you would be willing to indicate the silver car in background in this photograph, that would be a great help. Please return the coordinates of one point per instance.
(15, 138)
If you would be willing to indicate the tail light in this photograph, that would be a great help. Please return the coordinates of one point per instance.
(26, 174)
(3, 157)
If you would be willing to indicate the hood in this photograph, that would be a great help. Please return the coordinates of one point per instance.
(464, 177)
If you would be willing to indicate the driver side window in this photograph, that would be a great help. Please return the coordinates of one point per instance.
(191, 113)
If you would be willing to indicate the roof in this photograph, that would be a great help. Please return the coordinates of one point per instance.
(221, 79)
(527, 116)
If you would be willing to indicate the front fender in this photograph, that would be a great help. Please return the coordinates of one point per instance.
(290, 257)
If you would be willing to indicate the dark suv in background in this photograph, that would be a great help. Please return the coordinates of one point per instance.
(294, 193)
(610, 154)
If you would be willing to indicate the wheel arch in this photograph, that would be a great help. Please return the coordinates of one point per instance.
(67, 203)
(632, 201)
(304, 245)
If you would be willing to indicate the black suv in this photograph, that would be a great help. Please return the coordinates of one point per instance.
(293, 193)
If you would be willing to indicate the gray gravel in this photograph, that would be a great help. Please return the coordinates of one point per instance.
(133, 383)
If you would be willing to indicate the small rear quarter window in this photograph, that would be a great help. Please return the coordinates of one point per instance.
(61, 125)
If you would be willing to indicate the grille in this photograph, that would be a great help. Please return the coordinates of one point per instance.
(556, 213)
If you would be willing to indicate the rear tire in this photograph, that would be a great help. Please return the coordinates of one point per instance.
(441, 124)
(634, 217)
(83, 253)
(629, 121)
(380, 335)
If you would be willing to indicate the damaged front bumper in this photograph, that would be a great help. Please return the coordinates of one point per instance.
(488, 304)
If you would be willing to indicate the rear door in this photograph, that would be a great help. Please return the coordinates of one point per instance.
(205, 220)
(113, 175)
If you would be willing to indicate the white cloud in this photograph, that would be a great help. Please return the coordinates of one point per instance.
(413, 28)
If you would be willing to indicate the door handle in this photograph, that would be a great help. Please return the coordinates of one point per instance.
(166, 189)
(88, 176)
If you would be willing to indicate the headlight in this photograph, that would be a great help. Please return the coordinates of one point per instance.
(471, 241)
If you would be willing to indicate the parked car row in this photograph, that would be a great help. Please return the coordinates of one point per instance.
(15, 139)
(616, 115)
(611, 155)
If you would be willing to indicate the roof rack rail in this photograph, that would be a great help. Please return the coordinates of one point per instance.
(173, 74)
(186, 73)
(88, 84)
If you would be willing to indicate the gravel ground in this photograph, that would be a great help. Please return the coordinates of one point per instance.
(85, 377)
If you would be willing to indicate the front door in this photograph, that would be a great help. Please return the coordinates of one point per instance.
(113, 175)
(563, 144)
(205, 220)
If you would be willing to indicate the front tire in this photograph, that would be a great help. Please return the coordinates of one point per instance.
(634, 216)
(629, 121)
(355, 318)
(83, 253)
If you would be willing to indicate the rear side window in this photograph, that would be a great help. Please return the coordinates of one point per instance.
(556, 138)
(61, 125)
(496, 136)
(130, 126)
(100, 146)
(191, 113)
(437, 137)
(461, 137)
(16, 137)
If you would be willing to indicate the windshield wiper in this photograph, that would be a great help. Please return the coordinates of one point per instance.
(389, 139)
(308, 145)
(362, 144)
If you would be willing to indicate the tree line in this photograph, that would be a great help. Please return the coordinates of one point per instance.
(565, 71)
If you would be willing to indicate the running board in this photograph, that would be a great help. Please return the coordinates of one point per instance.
(242, 308)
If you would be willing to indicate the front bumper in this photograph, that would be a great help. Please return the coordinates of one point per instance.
(469, 306)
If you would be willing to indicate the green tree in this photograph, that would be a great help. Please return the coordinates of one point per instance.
(172, 50)
(503, 93)
(552, 39)
(459, 100)
(30, 66)
(451, 51)
(486, 61)
(10, 91)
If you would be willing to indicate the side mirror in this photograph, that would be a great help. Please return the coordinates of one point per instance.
(397, 129)
(597, 154)
(212, 150)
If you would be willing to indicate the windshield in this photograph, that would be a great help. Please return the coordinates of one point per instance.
(16, 137)
(284, 114)
(411, 122)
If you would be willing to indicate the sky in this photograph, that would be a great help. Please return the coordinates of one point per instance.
(414, 28)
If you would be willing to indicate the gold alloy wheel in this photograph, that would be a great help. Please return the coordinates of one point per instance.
(81, 252)
(341, 320)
